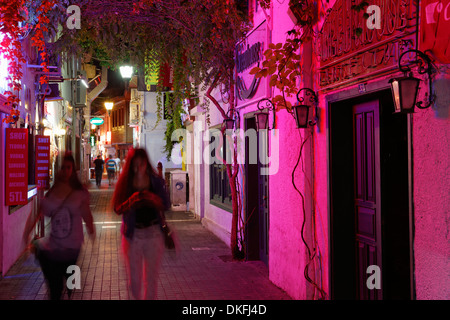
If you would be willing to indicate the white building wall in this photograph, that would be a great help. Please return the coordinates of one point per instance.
(151, 136)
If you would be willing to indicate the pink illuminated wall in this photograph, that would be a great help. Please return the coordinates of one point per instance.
(431, 158)
(430, 185)
(298, 216)
(288, 254)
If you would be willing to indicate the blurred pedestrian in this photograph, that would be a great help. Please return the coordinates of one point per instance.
(160, 170)
(141, 198)
(98, 169)
(117, 160)
(111, 168)
(67, 205)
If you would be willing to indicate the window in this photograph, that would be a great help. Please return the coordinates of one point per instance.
(220, 191)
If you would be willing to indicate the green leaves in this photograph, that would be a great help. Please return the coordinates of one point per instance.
(361, 6)
(282, 65)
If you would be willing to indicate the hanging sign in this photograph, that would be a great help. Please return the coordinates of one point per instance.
(249, 54)
(42, 161)
(435, 28)
(166, 75)
(16, 182)
(96, 121)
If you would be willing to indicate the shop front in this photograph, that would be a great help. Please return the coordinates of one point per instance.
(250, 91)
(372, 148)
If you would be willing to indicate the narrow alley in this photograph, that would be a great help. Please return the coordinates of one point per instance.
(201, 270)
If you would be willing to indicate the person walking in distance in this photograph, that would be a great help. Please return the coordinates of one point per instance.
(117, 160)
(67, 205)
(111, 168)
(141, 198)
(98, 169)
(160, 170)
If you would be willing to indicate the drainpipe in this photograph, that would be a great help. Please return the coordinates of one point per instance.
(91, 97)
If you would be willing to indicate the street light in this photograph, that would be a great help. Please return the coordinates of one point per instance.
(60, 131)
(109, 106)
(126, 71)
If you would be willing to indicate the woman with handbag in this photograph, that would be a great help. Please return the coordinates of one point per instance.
(67, 205)
(141, 198)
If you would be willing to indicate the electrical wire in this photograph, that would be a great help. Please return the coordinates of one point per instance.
(313, 223)
(311, 256)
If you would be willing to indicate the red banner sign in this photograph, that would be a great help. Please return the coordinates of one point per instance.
(16, 183)
(42, 161)
(166, 75)
(435, 28)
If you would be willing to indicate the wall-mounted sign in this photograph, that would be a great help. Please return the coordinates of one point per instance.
(346, 58)
(16, 182)
(97, 121)
(42, 161)
(166, 75)
(435, 28)
(249, 54)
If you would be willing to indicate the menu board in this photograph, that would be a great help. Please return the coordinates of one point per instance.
(16, 182)
(42, 161)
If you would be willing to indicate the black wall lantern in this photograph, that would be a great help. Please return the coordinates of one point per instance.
(229, 123)
(405, 89)
(301, 110)
(262, 117)
(231, 119)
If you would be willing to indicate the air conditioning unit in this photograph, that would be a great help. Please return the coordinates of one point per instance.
(178, 190)
(134, 114)
(134, 96)
(81, 90)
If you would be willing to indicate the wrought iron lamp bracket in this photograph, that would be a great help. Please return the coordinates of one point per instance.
(311, 96)
(425, 66)
(268, 105)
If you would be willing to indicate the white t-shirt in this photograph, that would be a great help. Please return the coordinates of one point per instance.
(66, 221)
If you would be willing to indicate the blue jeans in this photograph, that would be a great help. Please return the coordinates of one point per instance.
(143, 256)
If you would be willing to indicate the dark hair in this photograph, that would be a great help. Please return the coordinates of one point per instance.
(74, 181)
(124, 187)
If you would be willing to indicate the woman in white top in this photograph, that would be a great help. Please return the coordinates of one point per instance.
(67, 204)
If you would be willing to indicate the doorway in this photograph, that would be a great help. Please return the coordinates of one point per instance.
(369, 198)
(257, 204)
